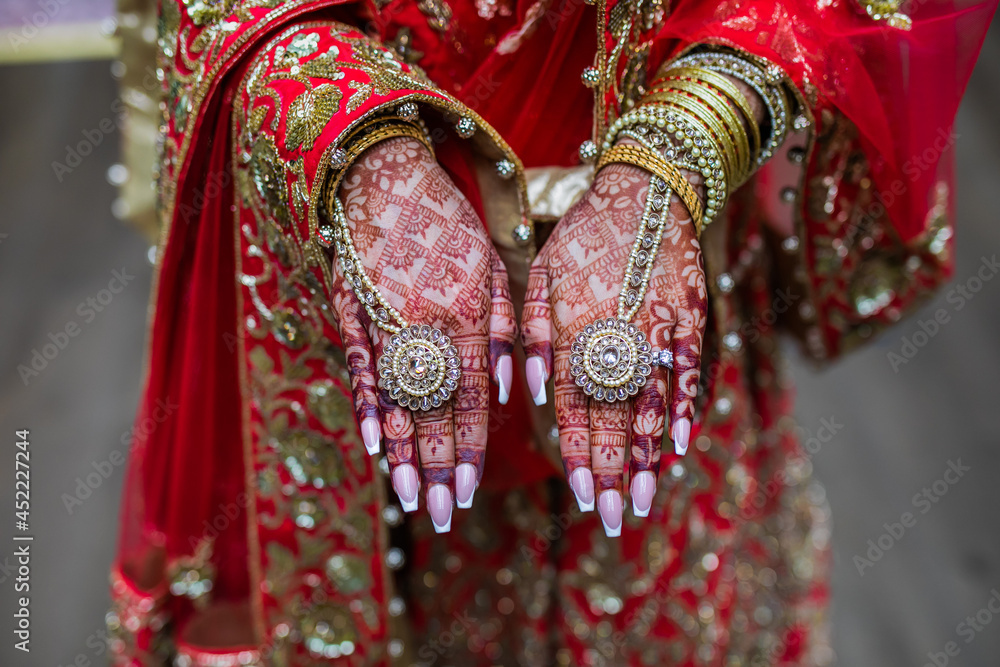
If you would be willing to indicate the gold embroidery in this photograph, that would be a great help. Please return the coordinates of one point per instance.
(195, 74)
(308, 114)
(302, 475)
(268, 175)
(135, 624)
(438, 13)
(385, 73)
(193, 577)
(204, 12)
(403, 47)
(887, 11)
(621, 71)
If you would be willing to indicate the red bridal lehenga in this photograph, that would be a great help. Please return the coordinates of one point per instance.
(255, 528)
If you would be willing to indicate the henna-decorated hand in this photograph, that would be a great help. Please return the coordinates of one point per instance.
(575, 280)
(423, 245)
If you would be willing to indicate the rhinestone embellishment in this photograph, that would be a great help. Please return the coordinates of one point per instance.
(465, 127)
(420, 368)
(610, 360)
(665, 358)
(588, 151)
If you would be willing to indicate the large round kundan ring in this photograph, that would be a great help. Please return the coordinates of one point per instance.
(611, 360)
(419, 368)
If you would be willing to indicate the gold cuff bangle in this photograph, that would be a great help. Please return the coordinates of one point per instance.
(651, 161)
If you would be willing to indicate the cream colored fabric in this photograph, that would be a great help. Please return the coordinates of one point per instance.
(553, 190)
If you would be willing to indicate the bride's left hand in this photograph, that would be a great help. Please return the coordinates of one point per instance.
(575, 280)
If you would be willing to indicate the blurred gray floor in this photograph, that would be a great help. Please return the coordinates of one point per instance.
(59, 247)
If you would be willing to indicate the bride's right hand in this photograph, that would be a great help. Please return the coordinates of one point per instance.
(421, 242)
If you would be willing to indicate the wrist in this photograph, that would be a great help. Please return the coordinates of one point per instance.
(663, 174)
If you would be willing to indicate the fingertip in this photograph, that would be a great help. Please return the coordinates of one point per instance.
(371, 435)
(465, 485)
(541, 396)
(440, 507)
(406, 484)
(643, 488)
(534, 369)
(681, 435)
(582, 484)
(504, 377)
(611, 512)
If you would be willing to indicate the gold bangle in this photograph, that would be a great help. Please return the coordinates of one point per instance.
(762, 76)
(651, 161)
(694, 147)
(715, 127)
(711, 126)
(718, 106)
(723, 150)
(726, 87)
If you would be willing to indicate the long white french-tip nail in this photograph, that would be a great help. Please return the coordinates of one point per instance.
(404, 481)
(611, 513)
(371, 435)
(535, 372)
(681, 436)
(643, 487)
(439, 505)
(505, 376)
(582, 483)
(465, 485)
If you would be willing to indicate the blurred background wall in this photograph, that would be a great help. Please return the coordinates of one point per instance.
(896, 430)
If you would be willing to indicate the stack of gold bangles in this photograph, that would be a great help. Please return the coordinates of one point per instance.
(693, 117)
(651, 161)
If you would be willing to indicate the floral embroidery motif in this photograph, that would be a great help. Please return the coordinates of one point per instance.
(384, 73)
(308, 115)
(268, 175)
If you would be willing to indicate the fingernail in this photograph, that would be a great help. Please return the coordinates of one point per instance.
(534, 368)
(681, 434)
(643, 487)
(610, 508)
(505, 376)
(439, 505)
(404, 481)
(465, 485)
(582, 483)
(371, 434)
